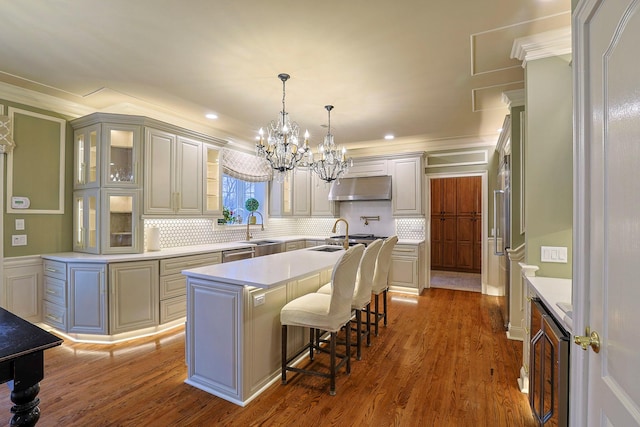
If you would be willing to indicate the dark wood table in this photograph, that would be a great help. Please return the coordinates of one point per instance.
(22, 346)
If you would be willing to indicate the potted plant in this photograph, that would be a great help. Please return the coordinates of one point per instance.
(252, 205)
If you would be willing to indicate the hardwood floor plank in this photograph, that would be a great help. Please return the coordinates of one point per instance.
(444, 360)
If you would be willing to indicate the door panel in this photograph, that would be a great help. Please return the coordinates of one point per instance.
(606, 205)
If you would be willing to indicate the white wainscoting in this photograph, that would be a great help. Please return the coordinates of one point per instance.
(492, 285)
(23, 287)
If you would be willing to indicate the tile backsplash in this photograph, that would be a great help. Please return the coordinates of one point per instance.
(200, 231)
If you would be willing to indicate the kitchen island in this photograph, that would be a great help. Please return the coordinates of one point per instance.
(233, 326)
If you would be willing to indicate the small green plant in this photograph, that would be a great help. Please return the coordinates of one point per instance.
(228, 215)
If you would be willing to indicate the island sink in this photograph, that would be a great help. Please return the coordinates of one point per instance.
(327, 249)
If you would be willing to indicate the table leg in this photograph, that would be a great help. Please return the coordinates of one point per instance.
(25, 412)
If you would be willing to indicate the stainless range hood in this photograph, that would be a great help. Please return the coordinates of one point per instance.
(361, 188)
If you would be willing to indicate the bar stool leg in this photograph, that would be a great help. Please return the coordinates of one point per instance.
(368, 314)
(332, 363)
(376, 310)
(384, 303)
(284, 354)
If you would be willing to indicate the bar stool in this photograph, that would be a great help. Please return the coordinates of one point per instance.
(362, 293)
(322, 312)
(381, 281)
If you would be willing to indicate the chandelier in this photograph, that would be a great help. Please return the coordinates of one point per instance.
(333, 163)
(282, 147)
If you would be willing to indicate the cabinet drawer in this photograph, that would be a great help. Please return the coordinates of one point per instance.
(55, 290)
(172, 309)
(176, 265)
(294, 246)
(173, 285)
(55, 269)
(54, 315)
(405, 250)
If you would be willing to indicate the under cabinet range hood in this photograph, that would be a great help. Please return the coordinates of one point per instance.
(361, 188)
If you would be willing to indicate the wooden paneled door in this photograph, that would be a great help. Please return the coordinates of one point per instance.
(456, 226)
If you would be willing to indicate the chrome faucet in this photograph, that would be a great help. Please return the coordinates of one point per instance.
(249, 222)
(346, 233)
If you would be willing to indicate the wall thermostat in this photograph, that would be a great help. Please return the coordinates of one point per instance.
(20, 202)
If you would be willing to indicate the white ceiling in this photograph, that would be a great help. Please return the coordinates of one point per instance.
(423, 70)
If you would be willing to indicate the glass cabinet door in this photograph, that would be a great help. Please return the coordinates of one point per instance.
(85, 221)
(212, 187)
(86, 157)
(122, 228)
(121, 155)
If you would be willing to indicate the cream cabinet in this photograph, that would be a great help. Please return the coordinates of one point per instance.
(212, 171)
(408, 267)
(173, 174)
(107, 158)
(106, 154)
(281, 197)
(406, 183)
(86, 214)
(320, 203)
(134, 296)
(122, 228)
(368, 167)
(302, 192)
(173, 284)
(294, 245)
(87, 299)
(22, 292)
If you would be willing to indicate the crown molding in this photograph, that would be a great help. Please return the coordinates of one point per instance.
(542, 45)
(513, 98)
(32, 98)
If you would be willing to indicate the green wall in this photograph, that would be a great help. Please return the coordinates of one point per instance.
(549, 161)
(517, 238)
(35, 175)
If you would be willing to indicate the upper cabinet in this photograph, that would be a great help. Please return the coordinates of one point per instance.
(107, 155)
(406, 182)
(212, 180)
(320, 203)
(173, 174)
(373, 167)
(302, 194)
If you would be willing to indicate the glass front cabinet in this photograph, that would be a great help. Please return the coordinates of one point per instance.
(107, 184)
(213, 183)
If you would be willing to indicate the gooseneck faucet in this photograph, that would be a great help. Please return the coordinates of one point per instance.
(346, 233)
(249, 222)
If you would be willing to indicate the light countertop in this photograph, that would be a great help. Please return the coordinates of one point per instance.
(268, 271)
(553, 291)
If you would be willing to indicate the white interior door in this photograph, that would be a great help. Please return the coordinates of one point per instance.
(606, 385)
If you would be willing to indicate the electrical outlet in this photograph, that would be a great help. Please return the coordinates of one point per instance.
(19, 240)
(258, 300)
(556, 254)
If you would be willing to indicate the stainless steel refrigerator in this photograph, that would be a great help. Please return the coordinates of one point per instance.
(502, 230)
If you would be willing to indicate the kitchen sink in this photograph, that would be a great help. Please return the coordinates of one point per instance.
(327, 249)
(262, 242)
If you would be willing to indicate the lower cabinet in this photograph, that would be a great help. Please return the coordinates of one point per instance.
(135, 296)
(295, 245)
(87, 306)
(408, 269)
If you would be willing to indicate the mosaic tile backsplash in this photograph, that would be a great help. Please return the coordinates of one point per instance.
(200, 231)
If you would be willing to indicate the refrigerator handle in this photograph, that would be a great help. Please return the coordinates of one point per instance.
(495, 223)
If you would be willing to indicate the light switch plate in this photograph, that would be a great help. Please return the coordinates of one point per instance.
(556, 254)
(19, 240)
(19, 224)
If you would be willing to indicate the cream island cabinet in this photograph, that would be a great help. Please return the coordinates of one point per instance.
(105, 298)
(233, 319)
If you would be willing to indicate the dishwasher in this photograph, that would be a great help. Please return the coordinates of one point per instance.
(237, 254)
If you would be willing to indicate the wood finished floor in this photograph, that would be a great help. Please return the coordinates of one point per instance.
(444, 360)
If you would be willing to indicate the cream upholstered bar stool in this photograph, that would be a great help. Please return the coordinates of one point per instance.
(362, 293)
(324, 312)
(381, 281)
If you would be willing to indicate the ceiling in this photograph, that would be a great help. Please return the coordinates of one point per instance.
(422, 70)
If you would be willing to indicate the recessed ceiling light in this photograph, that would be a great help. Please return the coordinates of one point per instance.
(211, 116)
(389, 136)
(499, 130)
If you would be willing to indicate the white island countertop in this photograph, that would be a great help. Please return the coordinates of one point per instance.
(268, 271)
(552, 291)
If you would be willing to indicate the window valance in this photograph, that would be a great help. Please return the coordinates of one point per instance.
(245, 166)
